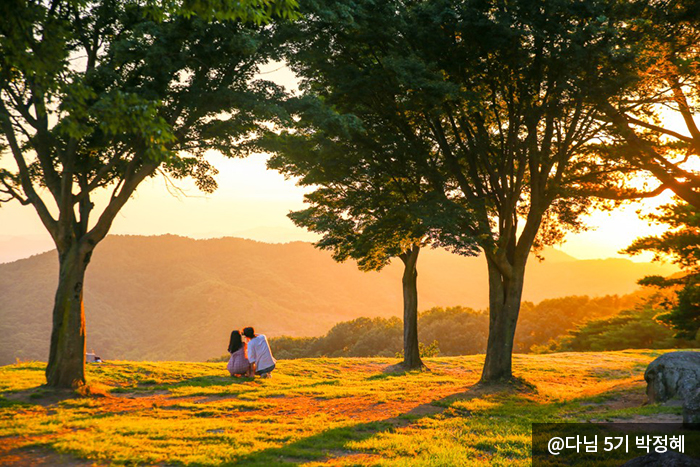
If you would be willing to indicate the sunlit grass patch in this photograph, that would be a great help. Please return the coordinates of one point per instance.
(635, 412)
(22, 376)
(474, 405)
(219, 408)
(29, 423)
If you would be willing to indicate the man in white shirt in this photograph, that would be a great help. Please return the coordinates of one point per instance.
(259, 354)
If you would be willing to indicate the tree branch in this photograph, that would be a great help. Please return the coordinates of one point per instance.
(624, 195)
(10, 190)
(649, 157)
(99, 176)
(117, 201)
(25, 180)
(659, 129)
(684, 108)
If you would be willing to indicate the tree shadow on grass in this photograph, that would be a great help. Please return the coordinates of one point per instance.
(207, 381)
(146, 388)
(46, 396)
(510, 404)
(328, 444)
(332, 444)
(42, 395)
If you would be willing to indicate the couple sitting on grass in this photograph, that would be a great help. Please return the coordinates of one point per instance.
(251, 358)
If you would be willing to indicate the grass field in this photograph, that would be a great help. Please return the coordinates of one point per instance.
(314, 411)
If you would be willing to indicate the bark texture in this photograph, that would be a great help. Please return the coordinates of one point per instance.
(411, 351)
(66, 367)
(504, 306)
(506, 268)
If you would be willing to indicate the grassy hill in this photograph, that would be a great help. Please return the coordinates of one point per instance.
(316, 411)
(175, 298)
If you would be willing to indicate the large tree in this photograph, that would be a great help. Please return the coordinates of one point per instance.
(492, 98)
(103, 94)
(517, 137)
(366, 207)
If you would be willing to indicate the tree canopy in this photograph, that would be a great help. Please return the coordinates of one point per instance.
(363, 212)
(654, 118)
(103, 96)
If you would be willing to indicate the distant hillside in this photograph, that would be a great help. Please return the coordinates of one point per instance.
(169, 297)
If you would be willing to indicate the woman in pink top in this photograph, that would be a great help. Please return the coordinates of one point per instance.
(238, 364)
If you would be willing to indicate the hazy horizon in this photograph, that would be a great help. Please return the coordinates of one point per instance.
(253, 202)
(17, 247)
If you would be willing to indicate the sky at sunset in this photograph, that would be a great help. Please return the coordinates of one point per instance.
(253, 202)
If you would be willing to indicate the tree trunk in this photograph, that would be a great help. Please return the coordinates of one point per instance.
(504, 307)
(66, 366)
(411, 352)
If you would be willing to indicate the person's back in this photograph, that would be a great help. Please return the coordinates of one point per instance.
(238, 363)
(259, 353)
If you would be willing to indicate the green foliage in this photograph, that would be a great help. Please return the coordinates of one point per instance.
(680, 243)
(425, 351)
(104, 96)
(456, 330)
(361, 337)
(653, 122)
(684, 316)
(459, 92)
(631, 329)
(463, 331)
(366, 206)
(247, 11)
(549, 319)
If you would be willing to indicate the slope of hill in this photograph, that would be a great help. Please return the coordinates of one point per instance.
(170, 297)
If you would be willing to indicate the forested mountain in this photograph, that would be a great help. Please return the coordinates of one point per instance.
(175, 298)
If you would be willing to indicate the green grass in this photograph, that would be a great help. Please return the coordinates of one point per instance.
(314, 411)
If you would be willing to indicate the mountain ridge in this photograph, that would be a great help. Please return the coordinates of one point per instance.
(172, 297)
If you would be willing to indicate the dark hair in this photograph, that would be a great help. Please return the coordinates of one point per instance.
(236, 342)
(249, 332)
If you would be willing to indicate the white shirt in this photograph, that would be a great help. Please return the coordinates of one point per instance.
(259, 352)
